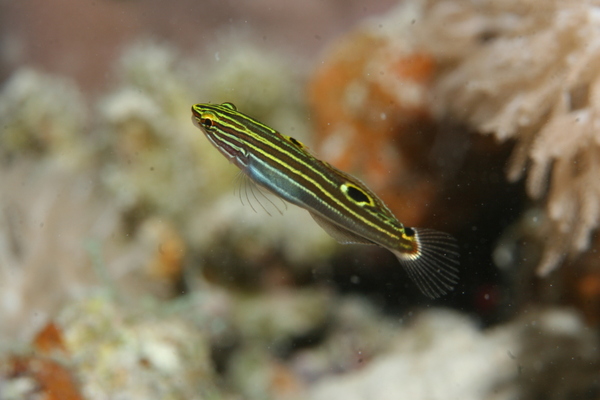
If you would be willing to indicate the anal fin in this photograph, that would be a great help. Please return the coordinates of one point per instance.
(340, 234)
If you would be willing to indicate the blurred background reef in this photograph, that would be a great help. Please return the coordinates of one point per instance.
(135, 262)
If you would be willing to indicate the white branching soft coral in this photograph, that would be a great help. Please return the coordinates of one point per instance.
(529, 70)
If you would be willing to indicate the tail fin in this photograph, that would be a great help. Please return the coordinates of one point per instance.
(433, 266)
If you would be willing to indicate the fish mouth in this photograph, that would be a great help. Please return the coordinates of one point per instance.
(195, 113)
(196, 121)
(238, 156)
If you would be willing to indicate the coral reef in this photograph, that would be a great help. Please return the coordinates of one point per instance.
(374, 116)
(134, 264)
(527, 71)
(270, 325)
(99, 348)
(559, 357)
(129, 185)
(358, 333)
(114, 353)
(45, 261)
(521, 72)
(442, 355)
(166, 357)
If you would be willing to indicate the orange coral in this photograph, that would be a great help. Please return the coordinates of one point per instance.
(53, 381)
(369, 101)
(49, 339)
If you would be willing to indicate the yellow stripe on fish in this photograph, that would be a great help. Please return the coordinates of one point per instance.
(340, 203)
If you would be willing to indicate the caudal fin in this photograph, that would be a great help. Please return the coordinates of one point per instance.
(433, 266)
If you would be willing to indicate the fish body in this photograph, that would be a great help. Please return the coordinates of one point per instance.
(340, 203)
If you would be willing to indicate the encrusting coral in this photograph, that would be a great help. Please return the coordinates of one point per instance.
(527, 70)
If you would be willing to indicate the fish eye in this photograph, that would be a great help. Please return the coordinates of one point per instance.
(409, 231)
(207, 122)
(356, 194)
